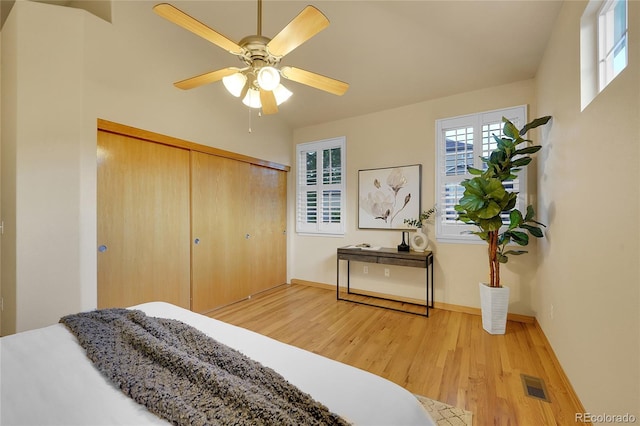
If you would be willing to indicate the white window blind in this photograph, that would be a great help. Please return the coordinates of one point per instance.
(321, 187)
(460, 142)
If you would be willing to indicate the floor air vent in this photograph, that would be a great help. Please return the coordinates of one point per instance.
(534, 387)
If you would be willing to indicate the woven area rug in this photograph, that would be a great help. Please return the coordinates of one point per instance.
(445, 414)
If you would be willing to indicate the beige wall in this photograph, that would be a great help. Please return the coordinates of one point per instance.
(589, 187)
(68, 68)
(405, 136)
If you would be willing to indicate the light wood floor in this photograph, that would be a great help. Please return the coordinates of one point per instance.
(448, 356)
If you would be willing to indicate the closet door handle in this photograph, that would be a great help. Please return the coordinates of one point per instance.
(102, 248)
(247, 236)
(196, 241)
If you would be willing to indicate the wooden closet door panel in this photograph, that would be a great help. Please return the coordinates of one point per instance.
(143, 222)
(220, 265)
(268, 247)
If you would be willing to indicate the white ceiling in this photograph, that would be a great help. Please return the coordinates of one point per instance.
(392, 53)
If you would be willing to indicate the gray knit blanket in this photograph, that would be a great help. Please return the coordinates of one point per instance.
(188, 378)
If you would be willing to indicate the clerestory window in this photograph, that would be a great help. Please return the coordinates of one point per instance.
(604, 46)
(612, 40)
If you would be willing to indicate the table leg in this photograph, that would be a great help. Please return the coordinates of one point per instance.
(337, 278)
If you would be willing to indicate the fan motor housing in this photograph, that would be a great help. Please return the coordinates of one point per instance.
(256, 52)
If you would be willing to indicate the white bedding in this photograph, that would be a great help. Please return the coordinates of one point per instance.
(46, 379)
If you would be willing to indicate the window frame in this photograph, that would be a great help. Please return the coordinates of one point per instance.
(320, 227)
(456, 231)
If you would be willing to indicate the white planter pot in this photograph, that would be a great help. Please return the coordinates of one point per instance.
(494, 302)
(419, 241)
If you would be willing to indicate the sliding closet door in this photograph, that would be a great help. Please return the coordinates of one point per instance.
(220, 220)
(268, 249)
(143, 222)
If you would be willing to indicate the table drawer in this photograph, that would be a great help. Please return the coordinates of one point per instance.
(405, 262)
(358, 258)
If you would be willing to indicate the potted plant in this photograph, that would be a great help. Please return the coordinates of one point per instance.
(489, 204)
(420, 241)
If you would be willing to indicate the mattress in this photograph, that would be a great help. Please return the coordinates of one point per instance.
(46, 379)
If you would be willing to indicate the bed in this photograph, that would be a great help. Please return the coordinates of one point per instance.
(47, 379)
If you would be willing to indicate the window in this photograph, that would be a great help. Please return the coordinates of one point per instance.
(460, 142)
(603, 46)
(612, 40)
(321, 187)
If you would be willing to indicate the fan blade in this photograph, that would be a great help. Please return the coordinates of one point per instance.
(206, 78)
(180, 18)
(308, 23)
(268, 101)
(317, 81)
(245, 89)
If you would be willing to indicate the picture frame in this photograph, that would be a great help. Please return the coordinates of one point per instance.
(387, 196)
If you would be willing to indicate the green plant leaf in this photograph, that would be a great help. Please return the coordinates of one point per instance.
(521, 162)
(502, 258)
(519, 238)
(509, 129)
(513, 199)
(492, 224)
(472, 190)
(515, 252)
(464, 218)
(533, 230)
(528, 150)
(474, 171)
(489, 211)
(515, 219)
(504, 144)
(473, 186)
(535, 123)
(530, 213)
(497, 157)
(538, 223)
(471, 202)
(482, 234)
(493, 188)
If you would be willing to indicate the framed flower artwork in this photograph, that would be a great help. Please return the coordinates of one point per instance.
(388, 196)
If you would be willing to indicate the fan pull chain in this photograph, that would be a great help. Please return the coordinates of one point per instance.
(250, 116)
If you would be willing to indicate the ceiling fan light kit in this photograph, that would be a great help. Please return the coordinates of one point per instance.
(252, 99)
(282, 94)
(234, 83)
(268, 78)
(258, 83)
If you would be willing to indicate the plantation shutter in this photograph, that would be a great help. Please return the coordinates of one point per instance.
(321, 187)
(461, 142)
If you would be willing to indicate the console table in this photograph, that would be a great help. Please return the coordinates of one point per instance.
(388, 256)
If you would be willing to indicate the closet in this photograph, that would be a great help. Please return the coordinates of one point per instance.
(184, 223)
(238, 226)
(143, 222)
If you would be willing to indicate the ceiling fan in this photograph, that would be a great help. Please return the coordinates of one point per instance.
(257, 83)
